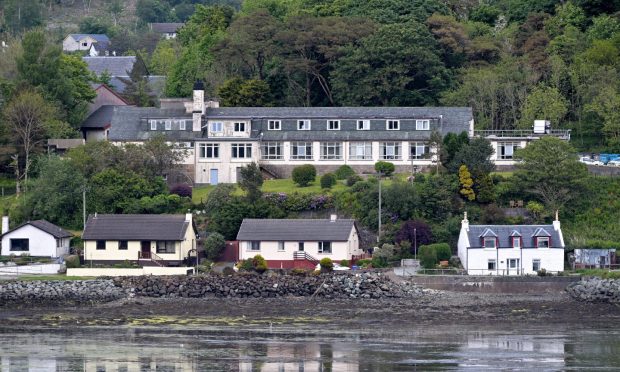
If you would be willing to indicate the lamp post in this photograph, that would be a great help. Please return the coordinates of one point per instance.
(379, 226)
(415, 243)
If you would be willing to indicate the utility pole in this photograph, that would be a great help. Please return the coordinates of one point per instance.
(83, 207)
(379, 229)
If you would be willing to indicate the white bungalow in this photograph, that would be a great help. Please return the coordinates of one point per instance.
(35, 238)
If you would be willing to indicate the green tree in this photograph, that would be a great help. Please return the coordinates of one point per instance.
(304, 175)
(20, 15)
(137, 89)
(164, 56)
(385, 168)
(548, 170)
(161, 156)
(152, 10)
(328, 180)
(607, 106)
(95, 25)
(251, 181)
(545, 103)
(245, 93)
(476, 155)
(467, 183)
(214, 246)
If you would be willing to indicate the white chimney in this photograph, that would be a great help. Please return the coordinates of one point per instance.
(5, 224)
(333, 217)
(198, 106)
(556, 222)
(465, 222)
(188, 217)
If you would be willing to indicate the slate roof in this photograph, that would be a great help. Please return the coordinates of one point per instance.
(505, 232)
(129, 123)
(100, 118)
(295, 230)
(115, 66)
(164, 28)
(48, 227)
(98, 37)
(135, 227)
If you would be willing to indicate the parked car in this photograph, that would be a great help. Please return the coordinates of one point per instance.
(589, 161)
(614, 163)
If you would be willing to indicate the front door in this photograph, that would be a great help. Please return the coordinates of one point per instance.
(213, 177)
(512, 266)
(145, 249)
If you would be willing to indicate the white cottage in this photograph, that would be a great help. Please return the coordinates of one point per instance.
(36, 238)
(301, 243)
(511, 249)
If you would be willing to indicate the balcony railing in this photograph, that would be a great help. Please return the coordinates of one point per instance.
(522, 133)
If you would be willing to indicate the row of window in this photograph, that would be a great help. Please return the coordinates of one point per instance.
(329, 151)
(217, 127)
(506, 150)
(323, 247)
(168, 124)
(306, 124)
(541, 242)
(161, 246)
(513, 263)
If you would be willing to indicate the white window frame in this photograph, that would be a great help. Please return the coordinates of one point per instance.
(307, 146)
(325, 244)
(363, 125)
(239, 126)
(516, 242)
(423, 124)
(490, 238)
(280, 246)
(304, 124)
(354, 148)
(266, 153)
(417, 146)
(392, 125)
(274, 125)
(205, 148)
(168, 125)
(235, 150)
(544, 238)
(327, 147)
(217, 127)
(254, 246)
(333, 125)
(489, 262)
(534, 262)
(153, 124)
(395, 150)
(182, 125)
(502, 146)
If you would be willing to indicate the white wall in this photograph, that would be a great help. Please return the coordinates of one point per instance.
(71, 45)
(31, 269)
(551, 259)
(147, 270)
(40, 243)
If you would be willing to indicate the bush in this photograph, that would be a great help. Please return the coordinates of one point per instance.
(328, 180)
(259, 263)
(326, 264)
(299, 272)
(385, 167)
(344, 263)
(303, 175)
(353, 179)
(379, 262)
(246, 265)
(182, 189)
(442, 250)
(428, 257)
(344, 172)
(214, 245)
(72, 262)
(364, 263)
(228, 271)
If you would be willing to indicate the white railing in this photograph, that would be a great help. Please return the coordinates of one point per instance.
(522, 133)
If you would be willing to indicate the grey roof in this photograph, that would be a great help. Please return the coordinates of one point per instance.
(115, 66)
(505, 232)
(295, 230)
(100, 118)
(130, 123)
(166, 27)
(101, 46)
(135, 227)
(98, 37)
(48, 227)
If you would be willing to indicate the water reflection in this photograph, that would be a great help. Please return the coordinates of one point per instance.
(123, 350)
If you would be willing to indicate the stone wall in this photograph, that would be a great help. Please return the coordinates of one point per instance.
(595, 290)
(59, 292)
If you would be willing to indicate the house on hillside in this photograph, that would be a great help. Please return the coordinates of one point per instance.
(166, 30)
(38, 238)
(76, 42)
(149, 240)
(511, 249)
(298, 243)
(105, 96)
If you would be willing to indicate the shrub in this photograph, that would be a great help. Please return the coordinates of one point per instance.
(364, 263)
(385, 167)
(379, 262)
(326, 264)
(228, 271)
(246, 265)
(214, 245)
(303, 175)
(328, 180)
(299, 272)
(259, 263)
(344, 263)
(182, 189)
(344, 172)
(72, 262)
(442, 250)
(353, 179)
(428, 257)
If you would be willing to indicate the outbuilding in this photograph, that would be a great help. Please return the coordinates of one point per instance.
(38, 238)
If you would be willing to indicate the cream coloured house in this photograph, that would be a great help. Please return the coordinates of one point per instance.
(75, 42)
(159, 239)
(289, 243)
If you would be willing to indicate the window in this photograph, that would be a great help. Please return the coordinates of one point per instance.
(513, 263)
(85, 43)
(363, 125)
(490, 242)
(58, 243)
(516, 242)
(100, 245)
(240, 127)
(542, 242)
(392, 125)
(360, 151)
(422, 124)
(331, 151)
(390, 150)
(333, 125)
(303, 124)
(254, 246)
(274, 125)
(168, 125)
(216, 127)
(22, 245)
(300, 246)
(209, 150)
(507, 150)
(301, 151)
(418, 150)
(181, 124)
(491, 265)
(271, 151)
(153, 124)
(325, 247)
(280, 246)
(241, 150)
(535, 265)
(165, 246)
(122, 245)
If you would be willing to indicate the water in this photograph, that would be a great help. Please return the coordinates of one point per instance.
(459, 348)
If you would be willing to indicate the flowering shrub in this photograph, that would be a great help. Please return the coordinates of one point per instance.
(296, 202)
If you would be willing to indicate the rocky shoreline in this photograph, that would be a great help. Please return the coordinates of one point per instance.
(595, 290)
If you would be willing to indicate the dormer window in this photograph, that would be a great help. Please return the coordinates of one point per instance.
(363, 125)
(240, 127)
(333, 125)
(542, 242)
(490, 242)
(516, 242)
(303, 124)
(216, 127)
(392, 125)
(274, 124)
(168, 125)
(423, 124)
(181, 124)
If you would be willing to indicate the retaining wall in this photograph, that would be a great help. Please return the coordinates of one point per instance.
(147, 270)
(495, 284)
(30, 269)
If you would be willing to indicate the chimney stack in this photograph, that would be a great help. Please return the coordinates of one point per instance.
(5, 224)
(556, 222)
(333, 217)
(198, 108)
(465, 222)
